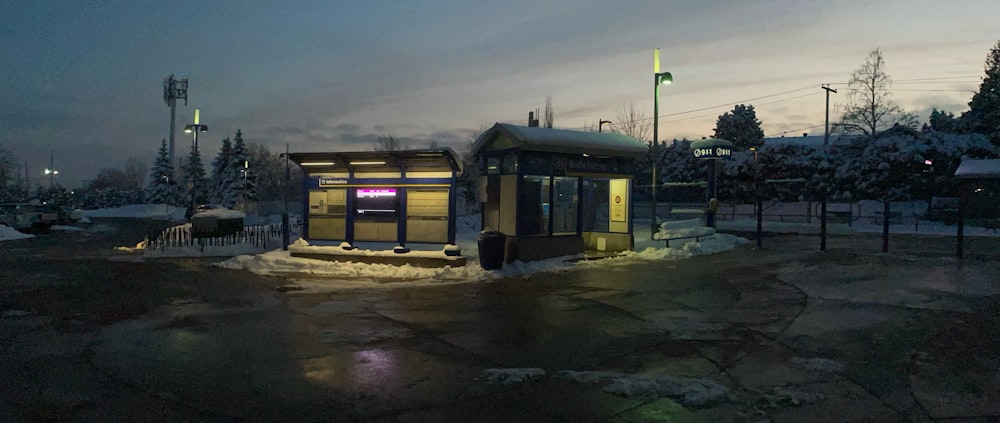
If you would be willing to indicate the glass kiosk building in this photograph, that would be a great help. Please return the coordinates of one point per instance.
(390, 196)
(556, 192)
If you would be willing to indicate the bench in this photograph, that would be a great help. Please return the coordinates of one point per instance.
(682, 229)
(684, 211)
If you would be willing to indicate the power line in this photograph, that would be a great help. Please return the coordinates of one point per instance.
(960, 91)
(755, 105)
(737, 102)
(793, 130)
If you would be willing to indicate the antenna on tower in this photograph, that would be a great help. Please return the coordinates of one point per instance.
(173, 90)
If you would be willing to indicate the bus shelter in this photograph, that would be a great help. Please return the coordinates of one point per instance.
(380, 196)
(979, 197)
(556, 192)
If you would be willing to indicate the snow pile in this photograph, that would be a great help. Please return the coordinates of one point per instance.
(8, 233)
(682, 229)
(511, 376)
(220, 214)
(818, 364)
(687, 391)
(279, 262)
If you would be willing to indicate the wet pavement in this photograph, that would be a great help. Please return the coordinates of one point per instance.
(792, 334)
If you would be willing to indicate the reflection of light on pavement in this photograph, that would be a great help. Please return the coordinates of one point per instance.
(184, 340)
(374, 367)
(367, 369)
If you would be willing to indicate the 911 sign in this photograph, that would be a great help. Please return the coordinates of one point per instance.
(713, 153)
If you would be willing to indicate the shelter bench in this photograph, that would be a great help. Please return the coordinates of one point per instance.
(682, 229)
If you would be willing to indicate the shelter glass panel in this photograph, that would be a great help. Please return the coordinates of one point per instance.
(564, 205)
(533, 206)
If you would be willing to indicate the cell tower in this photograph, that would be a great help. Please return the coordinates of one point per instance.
(173, 90)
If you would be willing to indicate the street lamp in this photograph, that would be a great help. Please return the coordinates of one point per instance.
(194, 129)
(51, 173)
(659, 78)
(245, 171)
(600, 124)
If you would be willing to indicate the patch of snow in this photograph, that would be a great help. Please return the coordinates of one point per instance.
(818, 364)
(687, 391)
(220, 214)
(511, 376)
(66, 228)
(8, 233)
(15, 313)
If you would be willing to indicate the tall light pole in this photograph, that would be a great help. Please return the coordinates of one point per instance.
(51, 171)
(194, 128)
(659, 78)
(600, 124)
(173, 90)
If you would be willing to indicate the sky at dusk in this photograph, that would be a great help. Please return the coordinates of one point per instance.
(84, 79)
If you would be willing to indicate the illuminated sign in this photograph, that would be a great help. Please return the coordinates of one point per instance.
(376, 192)
(325, 182)
(713, 153)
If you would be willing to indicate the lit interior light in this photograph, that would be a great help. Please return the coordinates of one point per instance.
(366, 163)
(317, 163)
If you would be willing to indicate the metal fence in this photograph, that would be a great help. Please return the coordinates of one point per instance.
(180, 236)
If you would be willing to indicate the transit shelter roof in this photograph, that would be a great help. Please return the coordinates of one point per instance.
(503, 136)
(978, 169)
(427, 160)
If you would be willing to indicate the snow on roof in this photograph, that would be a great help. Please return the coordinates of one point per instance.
(562, 141)
(971, 169)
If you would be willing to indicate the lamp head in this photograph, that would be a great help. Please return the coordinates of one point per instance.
(195, 127)
(664, 78)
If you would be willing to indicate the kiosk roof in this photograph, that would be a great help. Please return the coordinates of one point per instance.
(978, 169)
(431, 159)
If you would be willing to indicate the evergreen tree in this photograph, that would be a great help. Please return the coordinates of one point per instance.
(162, 187)
(940, 121)
(678, 164)
(193, 179)
(983, 116)
(238, 186)
(220, 167)
(8, 183)
(741, 127)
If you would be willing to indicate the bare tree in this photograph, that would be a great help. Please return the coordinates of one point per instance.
(632, 122)
(135, 173)
(550, 115)
(870, 107)
(388, 143)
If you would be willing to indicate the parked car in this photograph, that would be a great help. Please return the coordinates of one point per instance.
(64, 215)
(27, 217)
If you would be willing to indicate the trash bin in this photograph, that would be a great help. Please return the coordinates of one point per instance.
(491, 249)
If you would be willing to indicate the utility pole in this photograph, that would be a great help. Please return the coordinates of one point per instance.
(826, 135)
(826, 141)
(173, 90)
